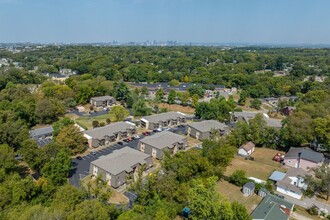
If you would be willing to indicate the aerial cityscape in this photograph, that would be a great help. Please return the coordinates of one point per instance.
(163, 109)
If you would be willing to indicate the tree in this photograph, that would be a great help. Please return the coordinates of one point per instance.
(72, 139)
(144, 91)
(258, 128)
(242, 98)
(32, 154)
(95, 124)
(121, 91)
(321, 128)
(196, 90)
(240, 134)
(108, 121)
(140, 108)
(206, 202)
(240, 212)
(48, 111)
(118, 113)
(238, 178)
(57, 126)
(160, 95)
(174, 82)
(256, 103)
(7, 158)
(185, 98)
(298, 129)
(57, 169)
(88, 210)
(171, 97)
(194, 100)
(319, 183)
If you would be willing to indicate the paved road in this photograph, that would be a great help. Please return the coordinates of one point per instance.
(81, 167)
(307, 202)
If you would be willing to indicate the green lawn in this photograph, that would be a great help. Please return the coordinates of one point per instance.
(87, 121)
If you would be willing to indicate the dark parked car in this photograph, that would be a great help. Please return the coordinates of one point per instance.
(146, 133)
(79, 158)
(120, 143)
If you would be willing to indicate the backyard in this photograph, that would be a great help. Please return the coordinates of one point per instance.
(234, 193)
(178, 108)
(262, 166)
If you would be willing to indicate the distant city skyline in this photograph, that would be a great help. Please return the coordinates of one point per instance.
(196, 21)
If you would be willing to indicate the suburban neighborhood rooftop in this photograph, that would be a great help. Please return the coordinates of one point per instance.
(163, 116)
(109, 130)
(41, 131)
(102, 98)
(121, 160)
(162, 139)
(305, 153)
(272, 207)
(204, 126)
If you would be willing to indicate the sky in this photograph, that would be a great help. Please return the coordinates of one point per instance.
(198, 21)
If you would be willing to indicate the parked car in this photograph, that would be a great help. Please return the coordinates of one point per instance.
(278, 157)
(120, 143)
(78, 157)
(136, 136)
(146, 133)
(93, 153)
(129, 139)
(159, 129)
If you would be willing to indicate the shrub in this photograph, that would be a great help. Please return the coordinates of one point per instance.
(238, 178)
(313, 210)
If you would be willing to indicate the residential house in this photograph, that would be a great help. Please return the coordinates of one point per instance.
(103, 101)
(202, 130)
(42, 136)
(246, 149)
(304, 158)
(163, 120)
(272, 207)
(248, 188)
(293, 183)
(120, 166)
(103, 136)
(156, 144)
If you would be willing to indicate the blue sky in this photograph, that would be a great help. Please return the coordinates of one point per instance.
(214, 21)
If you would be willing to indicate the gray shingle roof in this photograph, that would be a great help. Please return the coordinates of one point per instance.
(208, 125)
(102, 98)
(272, 207)
(163, 139)
(305, 153)
(164, 117)
(121, 160)
(109, 130)
(41, 131)
(249, 185)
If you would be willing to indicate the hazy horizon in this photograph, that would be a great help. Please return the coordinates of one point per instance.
(219, 22)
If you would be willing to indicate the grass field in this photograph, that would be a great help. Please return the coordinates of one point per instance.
(87, 121)
(180, 108)
(233, 193)
(261, 167)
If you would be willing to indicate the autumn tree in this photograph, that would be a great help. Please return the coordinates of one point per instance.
(118, 113)
(72, 139)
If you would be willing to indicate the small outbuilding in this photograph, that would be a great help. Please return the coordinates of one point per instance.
(246, 149)
(263, 192)
(248, 188)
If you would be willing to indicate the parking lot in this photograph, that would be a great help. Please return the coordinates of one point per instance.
(81, 167)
